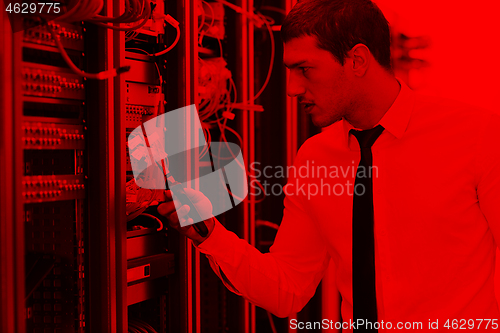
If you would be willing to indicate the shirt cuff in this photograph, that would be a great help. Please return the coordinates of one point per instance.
(215, 246)
(218, 241)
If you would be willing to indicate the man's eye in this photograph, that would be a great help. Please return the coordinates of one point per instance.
(304, 69)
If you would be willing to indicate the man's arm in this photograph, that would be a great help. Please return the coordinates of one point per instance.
(281, 281)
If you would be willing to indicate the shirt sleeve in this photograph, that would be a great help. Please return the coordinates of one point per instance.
(281, 281)
(488, 189)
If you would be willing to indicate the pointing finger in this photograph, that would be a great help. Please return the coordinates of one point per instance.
(166, 208)
(183, 211)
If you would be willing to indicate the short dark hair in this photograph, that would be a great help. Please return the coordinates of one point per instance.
(339, 25)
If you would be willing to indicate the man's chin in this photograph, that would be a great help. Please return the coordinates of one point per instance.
(323, 122)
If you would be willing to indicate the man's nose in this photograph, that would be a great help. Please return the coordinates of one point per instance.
(294, 87)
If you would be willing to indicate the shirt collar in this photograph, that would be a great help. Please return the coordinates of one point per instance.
(396, 119)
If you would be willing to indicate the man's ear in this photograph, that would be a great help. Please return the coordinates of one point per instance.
(360, 56)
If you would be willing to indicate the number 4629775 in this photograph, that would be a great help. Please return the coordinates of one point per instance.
(33, 8)
(463, 324)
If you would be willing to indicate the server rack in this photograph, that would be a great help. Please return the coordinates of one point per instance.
(95, 245)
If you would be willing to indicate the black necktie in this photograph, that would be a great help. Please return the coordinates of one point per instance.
(363, 243)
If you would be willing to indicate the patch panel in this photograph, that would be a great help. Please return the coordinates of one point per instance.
(53, 188)
(137, 114)
(144, 97)
(39, 135)
(49, 81)
(71, 35)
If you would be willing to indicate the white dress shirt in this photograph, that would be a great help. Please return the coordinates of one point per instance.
(436, 184)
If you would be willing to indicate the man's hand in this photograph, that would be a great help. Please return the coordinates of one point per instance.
(175, 218)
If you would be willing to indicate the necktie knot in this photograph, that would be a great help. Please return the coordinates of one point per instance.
(367, 138)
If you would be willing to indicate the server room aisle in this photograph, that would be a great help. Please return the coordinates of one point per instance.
(107, 104)
(83, 249)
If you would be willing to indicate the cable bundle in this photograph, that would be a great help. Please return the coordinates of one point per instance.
(135, 16)
(213, 82)
(216, 86)
(88, 10)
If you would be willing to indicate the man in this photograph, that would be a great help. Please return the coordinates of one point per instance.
(413, 241)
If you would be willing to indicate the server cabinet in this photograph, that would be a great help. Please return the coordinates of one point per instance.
(71, 262)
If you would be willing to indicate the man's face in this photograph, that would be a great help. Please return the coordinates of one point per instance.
(318, 81)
